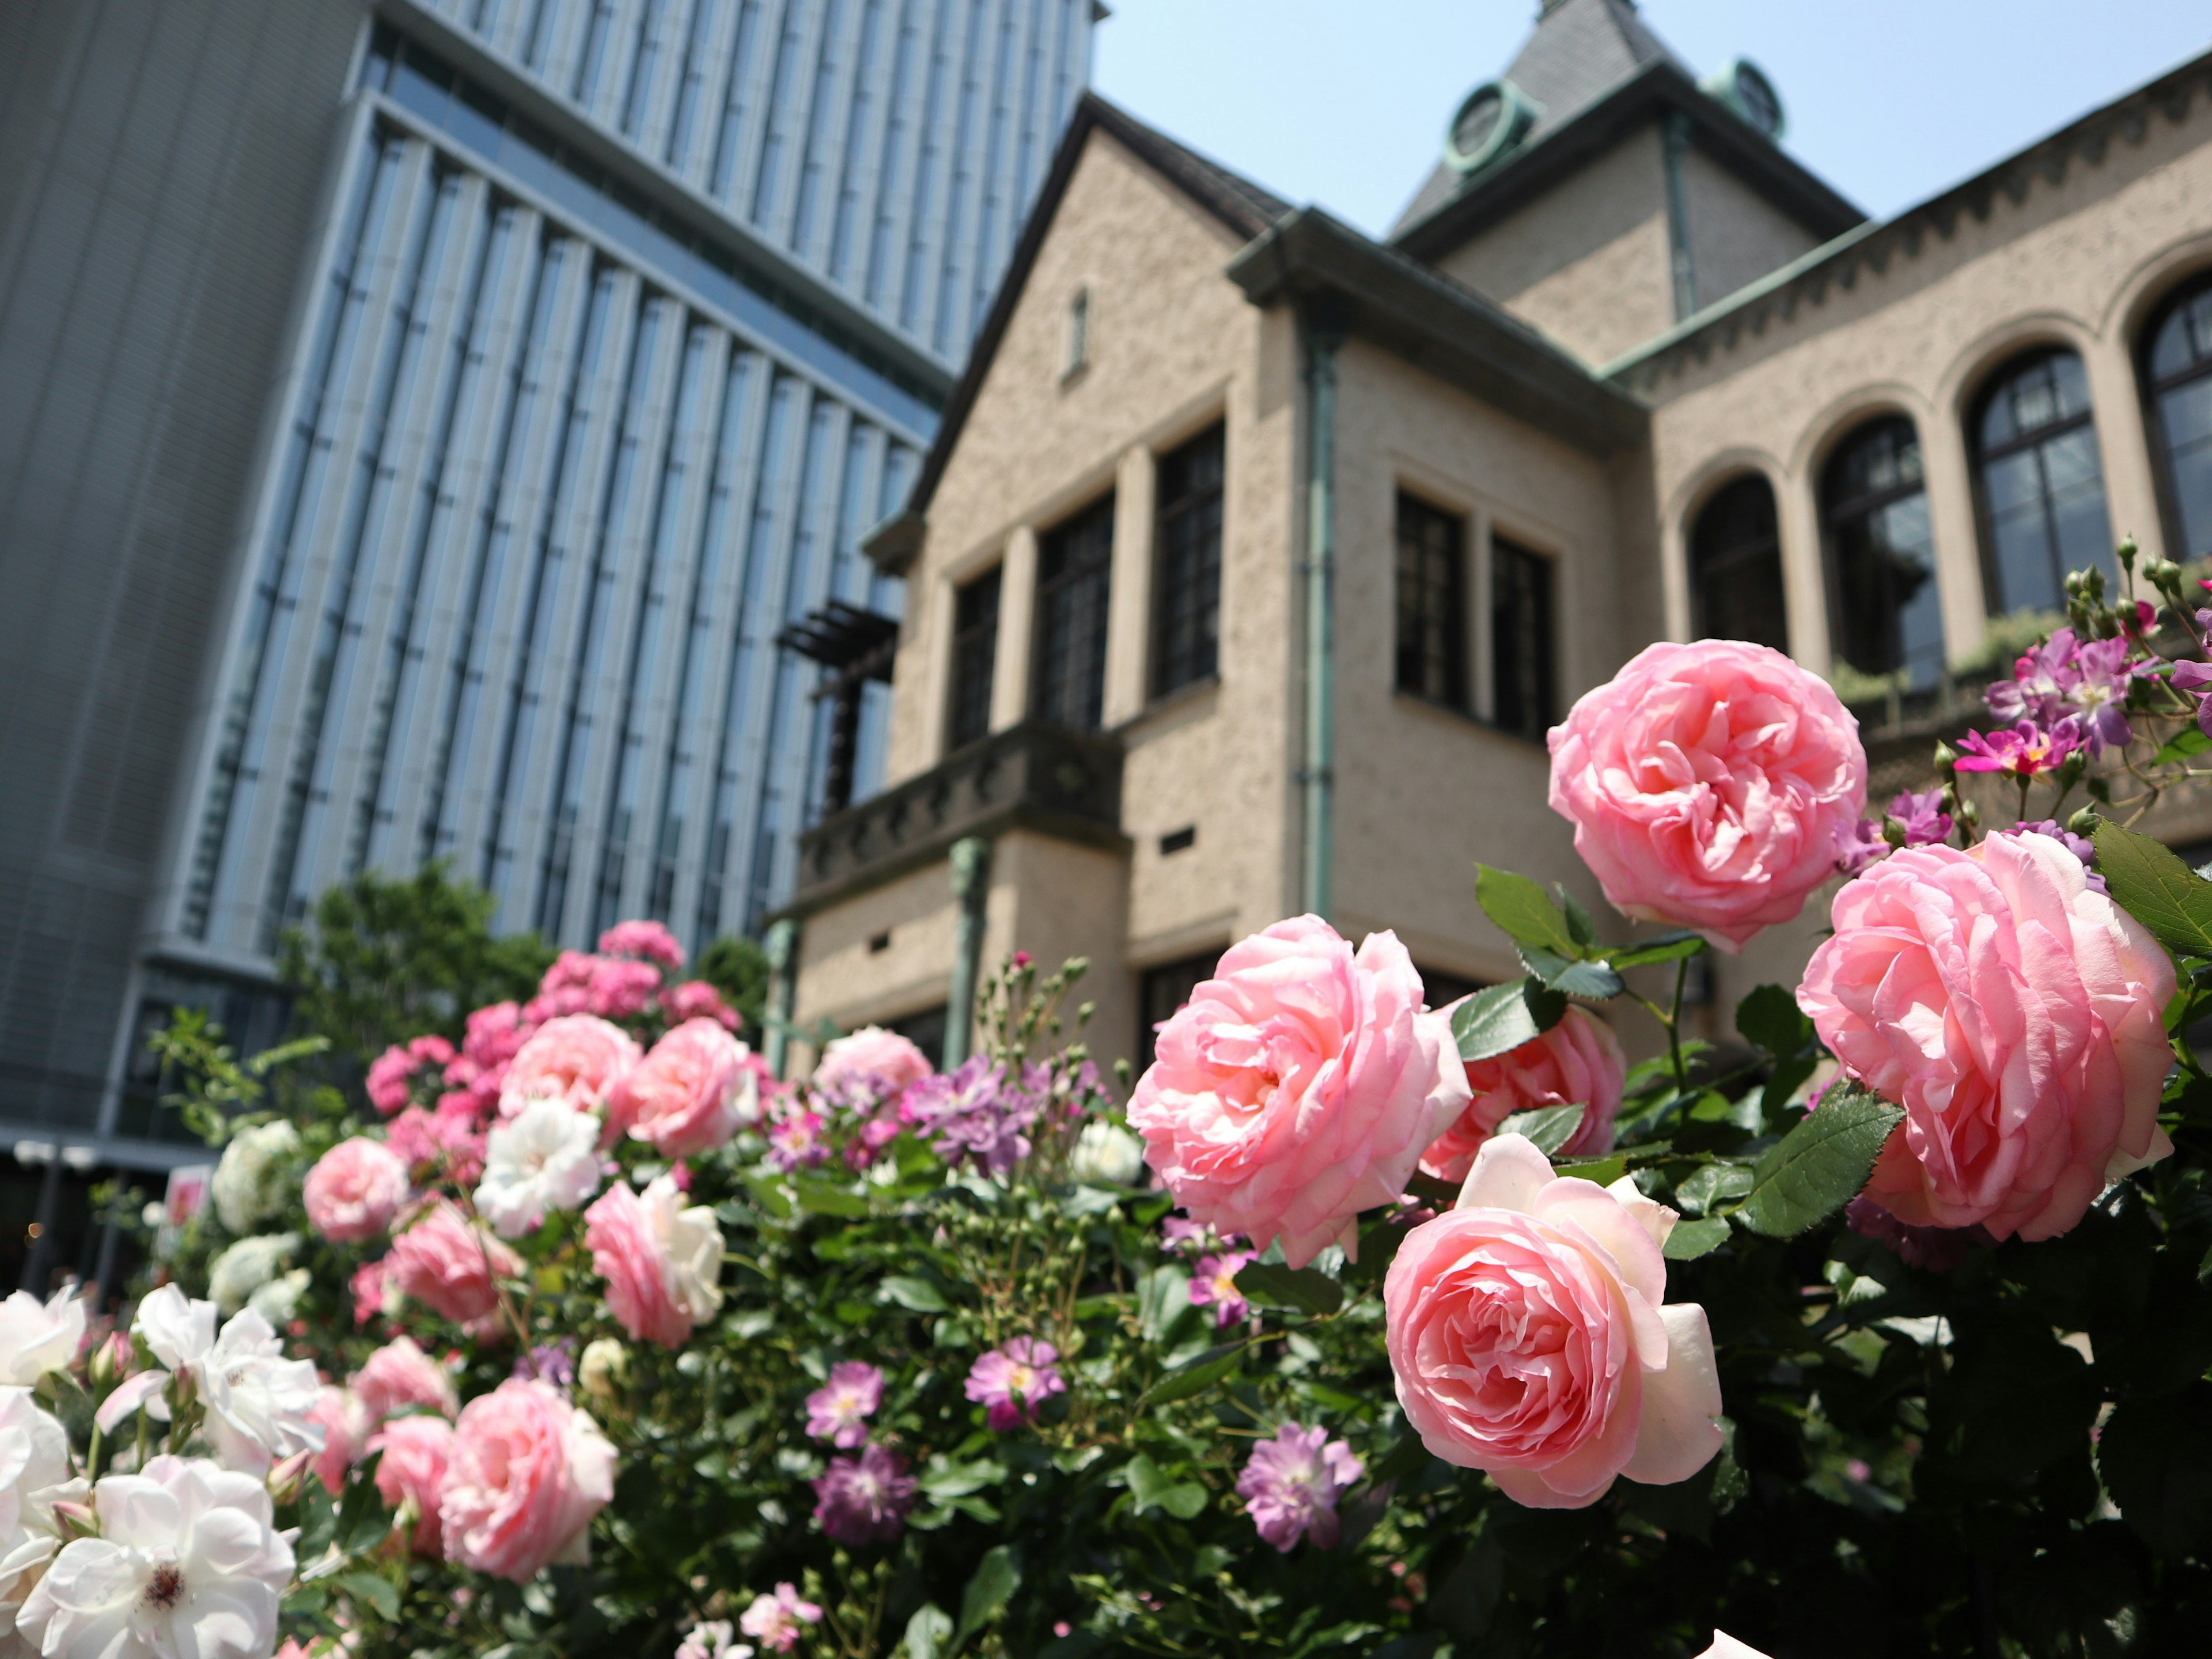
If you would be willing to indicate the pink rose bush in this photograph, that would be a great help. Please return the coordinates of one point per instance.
(1298, 1086)
(575, 1059)
(451, 1264)
(353, 1190)
(698, 1088)
(1531, 1338)
(398, 1376)
(525, 1474)
(410, 1477)
(1577, 1062)
(660, 1260)
(2016, 1015)
(1709, 786)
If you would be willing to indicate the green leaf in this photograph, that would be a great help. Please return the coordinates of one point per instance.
(1161, 1296)
(944, 1477)
(2190, 740)
(1593, 980)
(1307, 1289)
(820, 1197)
(377, 1592)
(1821, 1165)
(363, 1520)
(1195, 1379)
(1579, 924)
(1690, 1239)
(1601, 1171)
(1411, 1452)
(1696, 1193)
(1660, 947)
(918, 1295)
(997, 1577)
(1152, 1490)
(1523, 910)
(2155, 1456)
(2157, 889)
(1500, 1019)
(1550, 1126)
(1769, 1019)
(928, 1632)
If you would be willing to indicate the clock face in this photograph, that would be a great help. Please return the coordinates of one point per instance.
(1756, 97)
(1489, 123)
(1478, 121)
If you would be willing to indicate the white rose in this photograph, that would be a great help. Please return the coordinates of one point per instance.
(188, 1561)
(1106, 1155)
(544, 1158)
(246, 1188)
(38, 1337)
(260, 1405)
(691, 1241)
(247, 1265)
(178, 1330)
(604, 1367)
(279, 1299)
(34, 1476)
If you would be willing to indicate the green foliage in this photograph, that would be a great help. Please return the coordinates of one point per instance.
(738, 967)
(383, 959)
(1819, 1166)
(2155, 887)
(1499, 1019)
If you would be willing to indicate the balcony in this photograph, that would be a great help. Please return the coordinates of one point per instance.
(1031, 777)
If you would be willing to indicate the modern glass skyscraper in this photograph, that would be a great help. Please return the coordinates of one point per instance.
(612, 324)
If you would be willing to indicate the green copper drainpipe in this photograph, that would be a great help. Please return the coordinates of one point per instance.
(1325, 327)
(971, 888)
(782, 948)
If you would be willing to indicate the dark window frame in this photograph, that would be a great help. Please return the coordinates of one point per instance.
(1187, 549)
(1736, 561)
(1154, 988)
(1436, 670)
(1838, 512)
(1983, 455)
(975, 642)
(2154, 388)
(1506, 552)
(1084, 544)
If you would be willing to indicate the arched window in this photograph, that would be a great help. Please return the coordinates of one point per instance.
(2042, 488)
(1735, 567)
(1885, 616)
(2178, 377)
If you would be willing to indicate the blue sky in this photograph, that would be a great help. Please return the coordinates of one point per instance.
(1343, 102)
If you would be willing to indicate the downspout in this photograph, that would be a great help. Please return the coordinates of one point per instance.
(1325, 328)
(781, 949)
(1675, 147)
(971, 889)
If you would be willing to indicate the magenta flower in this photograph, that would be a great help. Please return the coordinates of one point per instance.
(2041, 680)
(1012, 1380)
(2097, 701)
(1291, 1485)
(1924, 820)
(864, 1500)
(648, 939)
(839, 1412)
(777, 1621)
(1214, 1285)
(2025, 750)
(794, 1141)
(974, 1114)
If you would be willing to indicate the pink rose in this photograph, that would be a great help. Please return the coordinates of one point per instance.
(527, 1472)
(439, 1145)
(2017, 1017)
(416, 1451)
(1529, 1339)
(399, 1375)
(576, 1058)
(449, 1266)
(345, 1423)
(871, 1057)
(660, 1260)
(372, 1291)
(1298, 1087)
(696, 999)
(648, 939)
(1708, 784)
(694, 1091)
(388, 1076)
(1577, 1062)
(621, 989)
(353, 1190)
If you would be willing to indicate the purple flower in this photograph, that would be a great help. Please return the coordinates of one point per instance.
(864, 1500)
(973, 1113)
(2025, 750)
(2071, 685)
(550, 1363)
(1215, 1283)
(2040, 681)
(2078, 845)
(794, 1141)
(2098, 697)
(1012, 1380)
(1180, 1232)
(1924, 820)
(1291, 1485)
(839, 1412)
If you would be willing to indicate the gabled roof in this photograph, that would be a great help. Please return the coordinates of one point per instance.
(1598, 72)
(1241, 205)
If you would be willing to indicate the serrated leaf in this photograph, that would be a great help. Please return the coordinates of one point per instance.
(1660, 947)
(1580, 927)
(1690, 1239)
(1274, 1285)
(1697, 1193)
(1768, 1018)
(2190, 740)
(1821, 1165)
(1152, 1490)
(2157, 889)
(1195, 1379)
(1523, 910)
(917, 1295)
(1593, 980)
(1601, 1171)
(997, 1577)
(1500, 1019)
(1550, 1126)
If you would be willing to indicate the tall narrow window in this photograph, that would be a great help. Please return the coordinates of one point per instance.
(1431, 603)
(1186, 571)
(1074, 571)
(2177, 376)
(2042, 488)
(1524, 676)
(975, 655)
(1735, 567)
(1162, 990)
(1078, 331)
(1888, 618)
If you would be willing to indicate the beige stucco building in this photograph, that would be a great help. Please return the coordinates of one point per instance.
(1255, 555)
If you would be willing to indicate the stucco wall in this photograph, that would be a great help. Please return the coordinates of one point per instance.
(1736, 235)
(1587, 262)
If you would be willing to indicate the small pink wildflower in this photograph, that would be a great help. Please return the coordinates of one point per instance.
(1291, 1485)
(1214, 1285)
(839, 1412)
(1011, 1382)
(777, 1621)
